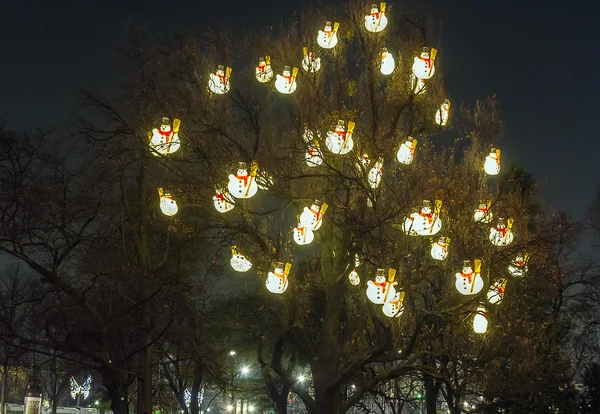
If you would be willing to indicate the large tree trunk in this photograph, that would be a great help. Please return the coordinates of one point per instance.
(431, 395)
(4, 384)
(196, 383)
(144, 402)
(113, 381)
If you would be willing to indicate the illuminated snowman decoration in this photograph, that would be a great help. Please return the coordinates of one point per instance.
(238, 261)
(469, 281)
(277, 280)
(303, 235)
(222, 201)
(406, 153)
(480, 322)
(443, 114)
(492, 162)
(313, 156)
(327, 37)
(264, 180)
(340, 140)
(502, 234)
(439, 249)
(387, 62)
(312, 218)
(376, 21)
(353, 275)
(518, 266)
(425, 223)
(382, 290)
(394, 308)
(417, 85)
(286, 83)
(264, 71)
(375, 174)
(496, 292)
(242, 185)
(165, 140)
(424, 65)
(483, 214)
(219, 81)
(168, 206)
(310, 61)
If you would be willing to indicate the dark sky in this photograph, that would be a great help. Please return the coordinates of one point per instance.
(540, 58)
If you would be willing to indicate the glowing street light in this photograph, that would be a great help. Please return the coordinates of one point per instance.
(245, 370)
(301, 378)
(229, 408)
(250, 408)
(231, 353)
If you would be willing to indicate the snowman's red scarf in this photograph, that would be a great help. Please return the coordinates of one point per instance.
(317, 214)
(376, 15)
(429, 217)
(262, 67)
(244, 178)
(223, 79)
(502, 230)
(469, 277)
(384, 288)
(167, 134)
(429, 64)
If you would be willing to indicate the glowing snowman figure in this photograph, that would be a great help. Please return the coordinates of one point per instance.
(312, 218)
(303, 235)
(238, 261)
(394, 308)
(381, 290)
(387, 62)
(242, 185)
(424, 65)
(439, 249)
(469, 281)
(518, 267)
(314, 157)
(375, 174)
(165, 140)
(483, 214)
(340, 140)
(168, 206)
(264, 71)
(502, 234)
(310, 62)
(286, 82)
(218, 82)
(264, 180)
(496, 292)
(376, 21)
(425, 223)
(277, 280)
(492, 162)
(406, 153)
(327, 37)
(417, 85)
(443, 114)
(223, 201)
(480, 322)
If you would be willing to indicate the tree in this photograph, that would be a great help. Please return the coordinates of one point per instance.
(321, 319)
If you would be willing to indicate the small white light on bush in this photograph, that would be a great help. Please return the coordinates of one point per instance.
(496, 292)
(264, 71)
(483, 214)
(387, 62)
(439, 249)
(327, 37)
(406, 153)
(312, 218)
(243, 184)
(502, 234)
(286, 82)
(277, 280)
(340, 140)
(382, 290)
(443, 114)
(424, 65)
(223, 201)
(165, 140)
(219, 81)
(469, 281)
(492, 162)
(310, 62)
(238, 261)
(168, 206)
(376, 21)
(480, 322)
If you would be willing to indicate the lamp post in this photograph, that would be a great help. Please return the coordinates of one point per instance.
(33, 395)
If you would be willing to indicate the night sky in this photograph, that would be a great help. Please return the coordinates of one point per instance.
(540, 58)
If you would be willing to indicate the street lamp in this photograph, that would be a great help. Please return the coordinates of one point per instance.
(231, 353)
(301, 378)
(229, 408)
(245, 370)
